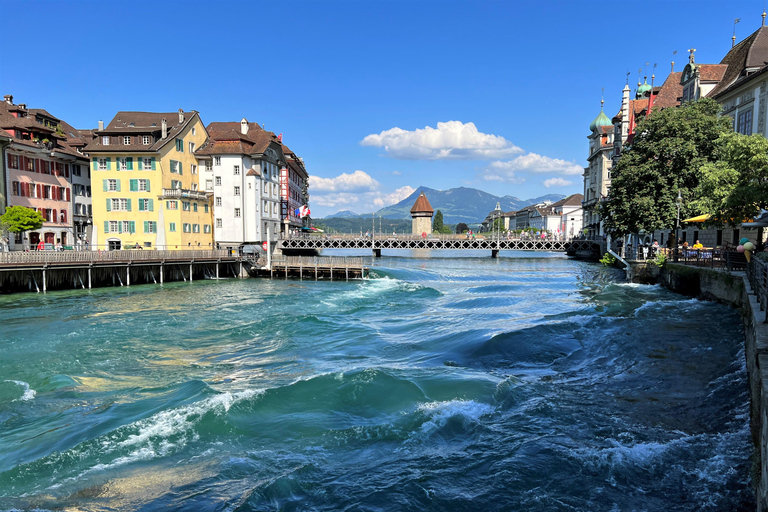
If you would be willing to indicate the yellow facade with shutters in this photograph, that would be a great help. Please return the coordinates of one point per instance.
(152, 200)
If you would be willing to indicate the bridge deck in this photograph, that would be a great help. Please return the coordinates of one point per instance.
(441, 242)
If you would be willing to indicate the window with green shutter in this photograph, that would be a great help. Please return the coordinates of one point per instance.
(134, 184)
(128, 208)
(151, 205)
(95, 163)
(172, 227)
(106, 185)
(129, 162)
(109, 205)
(133, 226)
(117, 185)
(106, 226)
(153, 163)
(109, 164)
(146, 226)
(180, 145)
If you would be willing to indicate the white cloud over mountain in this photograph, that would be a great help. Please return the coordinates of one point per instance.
(452, 140)
(357, 191)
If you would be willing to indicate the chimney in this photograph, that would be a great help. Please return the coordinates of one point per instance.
(165, 128)
(8, 99)
(181, 116)
(101, 125)
(23, 106)
(244, 126)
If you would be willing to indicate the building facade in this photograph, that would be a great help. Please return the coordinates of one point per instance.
(242, 165)
(294, 192)
(38, 166)
(146, 183)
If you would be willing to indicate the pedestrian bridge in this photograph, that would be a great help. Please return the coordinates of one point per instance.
(434, 242)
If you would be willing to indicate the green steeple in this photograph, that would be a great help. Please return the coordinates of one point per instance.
(600, 120)
(643, 90)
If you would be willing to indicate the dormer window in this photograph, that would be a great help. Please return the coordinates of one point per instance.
(127, 140)
(105, 140)
(145, 140)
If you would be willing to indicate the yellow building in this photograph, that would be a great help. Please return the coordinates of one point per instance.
(145, 183)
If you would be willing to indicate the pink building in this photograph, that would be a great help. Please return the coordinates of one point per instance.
(38, 168)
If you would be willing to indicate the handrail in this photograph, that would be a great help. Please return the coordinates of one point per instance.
(53, 257)
(757, 273)
(320, 261)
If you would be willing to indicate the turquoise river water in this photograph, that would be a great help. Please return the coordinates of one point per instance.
(446, 382)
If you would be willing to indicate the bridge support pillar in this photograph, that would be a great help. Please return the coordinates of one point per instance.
(494, 253)
(377, 253)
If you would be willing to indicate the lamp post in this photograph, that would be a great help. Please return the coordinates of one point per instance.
(679, 202)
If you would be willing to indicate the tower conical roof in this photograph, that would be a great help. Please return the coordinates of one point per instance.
(422, 205)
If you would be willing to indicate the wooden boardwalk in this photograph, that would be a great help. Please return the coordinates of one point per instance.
(315, 268)
(43, 270)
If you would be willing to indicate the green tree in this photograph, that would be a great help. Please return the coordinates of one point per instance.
(437, 223)
(735, 187)
(20, 219)
(667, 154)
(461, 227)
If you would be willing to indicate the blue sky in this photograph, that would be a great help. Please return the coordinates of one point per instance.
(377, 97)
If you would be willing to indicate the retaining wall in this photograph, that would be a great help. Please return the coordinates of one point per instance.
(734, 290)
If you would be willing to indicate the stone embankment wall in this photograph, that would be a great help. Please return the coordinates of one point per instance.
(734, 290)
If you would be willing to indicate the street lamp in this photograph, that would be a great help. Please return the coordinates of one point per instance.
(679, 201)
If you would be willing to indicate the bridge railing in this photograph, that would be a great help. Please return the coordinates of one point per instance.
(58, 257)
(398, 236)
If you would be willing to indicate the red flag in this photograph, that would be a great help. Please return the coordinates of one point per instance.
(280, 137)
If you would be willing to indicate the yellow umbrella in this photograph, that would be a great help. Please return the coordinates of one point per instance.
(699, 218)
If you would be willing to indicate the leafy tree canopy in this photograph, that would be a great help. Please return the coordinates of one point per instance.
(20, 219)
(735, 187)
(667, 154)
(438, 226)
(461, 227)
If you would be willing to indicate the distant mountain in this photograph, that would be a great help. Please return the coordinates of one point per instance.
(343, 214)
(461, 204)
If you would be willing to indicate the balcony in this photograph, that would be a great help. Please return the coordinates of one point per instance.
(178, 193)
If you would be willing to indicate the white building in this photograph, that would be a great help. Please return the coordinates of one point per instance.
(241, 166)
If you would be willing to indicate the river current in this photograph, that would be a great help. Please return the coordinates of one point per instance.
(447, 382)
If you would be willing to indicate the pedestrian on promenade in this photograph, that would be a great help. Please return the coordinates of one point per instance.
(40, 246)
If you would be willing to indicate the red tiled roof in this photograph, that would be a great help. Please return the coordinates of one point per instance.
(711, 72)
(670, 92)
(422, 205)
(221, 135)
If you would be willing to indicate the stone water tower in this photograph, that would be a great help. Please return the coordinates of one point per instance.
(421, 213)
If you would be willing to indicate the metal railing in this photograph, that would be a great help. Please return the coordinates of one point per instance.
(58, 257)
(712, 258)
(408, 236)
(757, 273)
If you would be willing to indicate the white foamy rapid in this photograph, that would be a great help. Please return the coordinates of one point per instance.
(440, 412)
(28, 394)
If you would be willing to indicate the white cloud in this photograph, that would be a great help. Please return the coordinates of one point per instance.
(357, 181)
(395, 197)
(557, 182)
(530, 163)
(357, 191)
(452, 140)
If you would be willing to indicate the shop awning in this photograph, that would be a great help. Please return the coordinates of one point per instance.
(698, 218)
